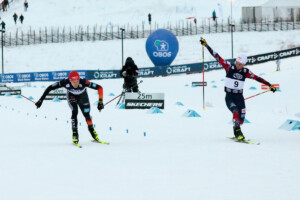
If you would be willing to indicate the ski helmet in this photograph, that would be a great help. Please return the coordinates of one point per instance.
(74, 76)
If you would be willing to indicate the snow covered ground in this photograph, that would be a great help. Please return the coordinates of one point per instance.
(179, 158)
(107, 54)
(163, 156)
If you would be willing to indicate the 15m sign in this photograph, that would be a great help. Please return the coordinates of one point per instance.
(144, 100)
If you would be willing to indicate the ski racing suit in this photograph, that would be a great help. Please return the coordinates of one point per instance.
(77, 97)
(234, 84)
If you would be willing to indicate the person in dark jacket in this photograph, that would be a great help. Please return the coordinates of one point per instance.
(21, 18)
(25, 5)
(130, 72)
(15, 16)
(6, 4)
(214, 15)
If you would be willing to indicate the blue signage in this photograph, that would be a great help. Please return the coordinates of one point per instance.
(162, 47)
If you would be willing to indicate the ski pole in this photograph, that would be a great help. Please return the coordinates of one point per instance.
(20, 95)
(257, 94)
(113, 99)
(203, 76)
(118, 95)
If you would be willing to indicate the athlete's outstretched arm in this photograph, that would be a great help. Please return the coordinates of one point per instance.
(261, 80)
(225, 64)
(257, 78)
(54, 86)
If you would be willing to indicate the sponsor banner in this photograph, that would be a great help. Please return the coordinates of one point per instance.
(208, 66)
(142, 104)
(24, 77)
(39, 76)
(266, 87)
(147, 72)
(105, 74)
(57, 76)
(53, 96)
(60, 93)
(178, 69)
(199, 84)
(144, 100)
(257, 59)
(8, 78)
(12, 90)
(143, 96)
(42, 76)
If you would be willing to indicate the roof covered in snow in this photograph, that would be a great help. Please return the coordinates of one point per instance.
(282, 3)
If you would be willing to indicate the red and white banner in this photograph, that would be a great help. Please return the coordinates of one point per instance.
(266, 87)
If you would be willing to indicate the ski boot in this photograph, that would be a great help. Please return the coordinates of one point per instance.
(93, 132)
(238, 133)
(75, 136)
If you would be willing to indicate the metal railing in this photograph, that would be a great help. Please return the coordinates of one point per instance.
(96, 33)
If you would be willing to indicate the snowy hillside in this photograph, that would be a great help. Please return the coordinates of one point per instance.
(179, 158)
(107, 54)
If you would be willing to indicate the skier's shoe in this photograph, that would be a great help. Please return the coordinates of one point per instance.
(93, 132)
(238, 133)
(75, 136)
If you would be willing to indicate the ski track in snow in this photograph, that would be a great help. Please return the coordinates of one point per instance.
(179, 158)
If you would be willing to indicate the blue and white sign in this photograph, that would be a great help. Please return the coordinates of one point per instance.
(24, 77)
(162, 47)
(59, 75)
(8, 78)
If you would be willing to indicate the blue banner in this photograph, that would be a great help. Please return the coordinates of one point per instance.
(38, 76)
(110, 74)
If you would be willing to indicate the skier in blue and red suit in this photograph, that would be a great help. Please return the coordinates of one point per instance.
(234, 83)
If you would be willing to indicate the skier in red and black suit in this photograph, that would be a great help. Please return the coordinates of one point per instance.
(234, 84)
(77, 96)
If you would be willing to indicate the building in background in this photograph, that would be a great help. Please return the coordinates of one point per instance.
(273, 11)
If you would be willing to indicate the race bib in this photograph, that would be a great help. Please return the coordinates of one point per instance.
(234, 84)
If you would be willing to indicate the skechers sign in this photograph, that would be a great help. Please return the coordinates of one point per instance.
(144, 100)
(162, 47)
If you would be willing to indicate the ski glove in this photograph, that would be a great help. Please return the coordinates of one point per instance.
(203, 42)
(100, 105)
(39, 103)
(272, 88)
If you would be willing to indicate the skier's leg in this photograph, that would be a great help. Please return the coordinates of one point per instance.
(232, 106)
(242, 113)
(73, 105)
(242, 109)
(232, 102)
(85, 108)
